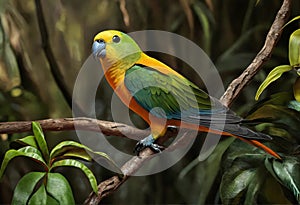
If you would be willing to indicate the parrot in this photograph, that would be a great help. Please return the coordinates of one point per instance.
(163, 97)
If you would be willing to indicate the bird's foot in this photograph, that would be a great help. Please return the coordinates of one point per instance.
(147, 142)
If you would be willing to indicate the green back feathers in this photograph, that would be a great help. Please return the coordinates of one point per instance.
(173, 95)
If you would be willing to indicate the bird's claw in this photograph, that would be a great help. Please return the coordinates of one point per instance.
(147, 142)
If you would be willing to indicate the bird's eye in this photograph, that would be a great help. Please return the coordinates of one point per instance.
(100, 41)
(116, 39)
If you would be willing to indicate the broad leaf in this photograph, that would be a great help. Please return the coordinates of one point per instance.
(29, 140)
(82, 167)
(10, 154)
(74, 149)
(273, 75)
(294, 48)
(25, 187)
(255, 185)
(40, 138)
(29, 149)
(235, 182)
(39, 197)
(59, 188)
(287, 173)
(242, 164)
(66, 146)
(78, 153)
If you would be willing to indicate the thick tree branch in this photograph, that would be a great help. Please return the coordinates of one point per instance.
(107, 128)
(273, 36)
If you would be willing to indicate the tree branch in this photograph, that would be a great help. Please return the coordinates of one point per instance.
(273, 36)
(89, 124)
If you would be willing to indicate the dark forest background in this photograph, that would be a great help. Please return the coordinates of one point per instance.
(42, 53)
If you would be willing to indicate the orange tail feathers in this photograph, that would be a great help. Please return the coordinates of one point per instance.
(252, 142)
(261, 146)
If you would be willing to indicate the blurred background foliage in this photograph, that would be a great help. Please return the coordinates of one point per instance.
(43, 45)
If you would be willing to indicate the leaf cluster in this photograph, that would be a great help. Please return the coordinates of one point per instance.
(48, 187)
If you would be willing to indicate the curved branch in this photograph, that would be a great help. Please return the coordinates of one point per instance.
(273, 36)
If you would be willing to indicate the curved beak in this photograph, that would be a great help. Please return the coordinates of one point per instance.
(98, 49)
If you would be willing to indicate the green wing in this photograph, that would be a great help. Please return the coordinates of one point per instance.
(172, 97)
(178, 98)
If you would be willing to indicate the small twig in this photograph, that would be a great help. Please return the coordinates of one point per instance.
(273, 36)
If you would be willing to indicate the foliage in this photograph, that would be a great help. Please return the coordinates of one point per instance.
(48, 187)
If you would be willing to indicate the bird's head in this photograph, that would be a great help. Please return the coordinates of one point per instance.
(113, 47)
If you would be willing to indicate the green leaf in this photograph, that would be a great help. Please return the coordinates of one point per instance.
(59, 188)
(273, 75)
(29, 140)
(25, 187)
(255, 185)
(40, 138)
(29, 149)
(78, 153)
(294, 48)
(39, 197)
(235, 182)
(10, 154)
(82, 167)
(51, 200)
(287, 173)
(67, 146)
(33, 153)
(75, 149)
